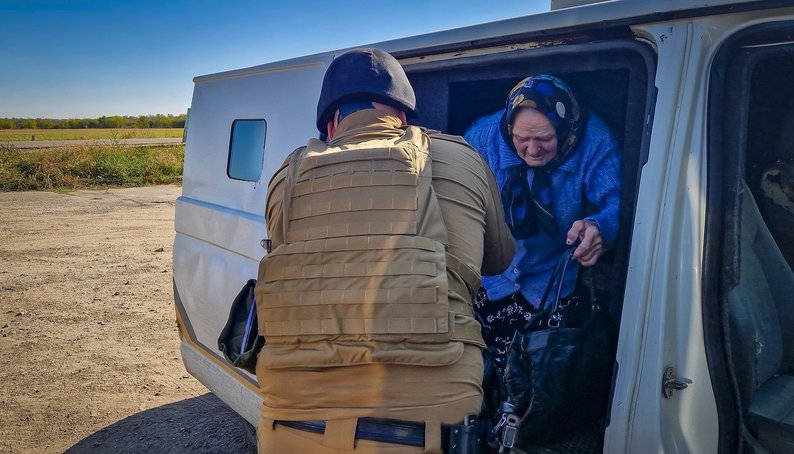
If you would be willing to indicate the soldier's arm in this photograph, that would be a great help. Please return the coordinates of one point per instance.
(499, 244)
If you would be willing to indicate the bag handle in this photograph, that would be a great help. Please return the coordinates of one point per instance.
(557, 275)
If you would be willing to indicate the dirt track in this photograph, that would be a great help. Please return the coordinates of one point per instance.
(89, 358)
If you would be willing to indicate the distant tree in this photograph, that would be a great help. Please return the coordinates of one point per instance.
(159, 121)
(75, 123)
(46, 123)
(143, 121)
(115, 122)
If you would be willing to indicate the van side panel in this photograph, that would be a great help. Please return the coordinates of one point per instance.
(219, 220)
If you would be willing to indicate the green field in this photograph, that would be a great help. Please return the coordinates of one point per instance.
(90, 166)
(20, 135)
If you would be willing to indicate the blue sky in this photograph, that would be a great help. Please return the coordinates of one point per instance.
(88, 58)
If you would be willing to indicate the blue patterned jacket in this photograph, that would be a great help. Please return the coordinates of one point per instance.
(592, 172)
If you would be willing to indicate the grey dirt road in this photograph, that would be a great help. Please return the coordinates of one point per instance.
(89, 348)
(34, 144)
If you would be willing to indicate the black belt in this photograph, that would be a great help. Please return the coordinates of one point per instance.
(378, 429)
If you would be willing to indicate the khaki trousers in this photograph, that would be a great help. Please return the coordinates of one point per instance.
(339, 438)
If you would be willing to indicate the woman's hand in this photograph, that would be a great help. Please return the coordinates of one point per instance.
(591, 245)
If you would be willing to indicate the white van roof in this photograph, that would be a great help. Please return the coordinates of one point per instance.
(559, 4)
(565, 14)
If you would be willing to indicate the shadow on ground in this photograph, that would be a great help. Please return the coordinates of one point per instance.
(202, 424)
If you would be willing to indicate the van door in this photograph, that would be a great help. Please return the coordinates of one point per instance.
(612, 76)
(242, 126)
(748, 281)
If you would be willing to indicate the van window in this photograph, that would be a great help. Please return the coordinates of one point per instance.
(750, 237)
(246, 150)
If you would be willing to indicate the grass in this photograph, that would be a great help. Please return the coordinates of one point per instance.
(20, 135)
(90, 166)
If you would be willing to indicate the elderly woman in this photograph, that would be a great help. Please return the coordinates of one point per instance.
(558, 171)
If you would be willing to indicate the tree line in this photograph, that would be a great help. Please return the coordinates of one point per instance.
(115, 121)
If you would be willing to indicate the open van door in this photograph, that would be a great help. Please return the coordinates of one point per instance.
(612, 74)
(749, 285)
(242, 126)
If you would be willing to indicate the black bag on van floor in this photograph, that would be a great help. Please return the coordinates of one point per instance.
(240, 340)
(557, 373)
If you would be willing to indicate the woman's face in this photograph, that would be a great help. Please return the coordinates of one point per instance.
(534, 137)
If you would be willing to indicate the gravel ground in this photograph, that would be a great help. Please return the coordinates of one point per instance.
(89, 349)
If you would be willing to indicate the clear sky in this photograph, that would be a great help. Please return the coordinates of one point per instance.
(89, 58)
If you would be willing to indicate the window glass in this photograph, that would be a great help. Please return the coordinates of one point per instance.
(247, 150)
(769, 168)
(761, 301)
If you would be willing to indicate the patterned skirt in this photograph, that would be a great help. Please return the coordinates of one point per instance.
(500, 320)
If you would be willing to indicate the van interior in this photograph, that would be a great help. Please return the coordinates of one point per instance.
(749, 282)
(612, 81)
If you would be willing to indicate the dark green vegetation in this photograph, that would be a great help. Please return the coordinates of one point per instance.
(90, 166)
(114, 121)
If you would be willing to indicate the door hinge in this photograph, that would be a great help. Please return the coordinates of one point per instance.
(671, 383)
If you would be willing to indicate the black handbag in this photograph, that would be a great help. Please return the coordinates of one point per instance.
(239, 340)
(557, 373)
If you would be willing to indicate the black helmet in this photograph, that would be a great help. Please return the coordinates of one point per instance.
(364, 75)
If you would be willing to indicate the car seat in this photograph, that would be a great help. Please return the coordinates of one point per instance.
(761, 315)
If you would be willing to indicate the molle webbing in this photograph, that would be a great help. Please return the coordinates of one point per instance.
(356, 264)
(356, 290)
(374, 197)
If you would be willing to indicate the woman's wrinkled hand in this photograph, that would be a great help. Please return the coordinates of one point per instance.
(591, 245)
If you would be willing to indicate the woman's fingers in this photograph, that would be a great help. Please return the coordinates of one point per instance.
(591, 245)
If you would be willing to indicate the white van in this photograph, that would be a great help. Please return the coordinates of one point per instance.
(700, 94)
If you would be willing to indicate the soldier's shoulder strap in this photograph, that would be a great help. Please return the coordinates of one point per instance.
(293, 163)
(438, 135)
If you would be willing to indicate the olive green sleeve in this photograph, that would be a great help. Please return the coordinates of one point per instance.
(499, 244)
(274, 205)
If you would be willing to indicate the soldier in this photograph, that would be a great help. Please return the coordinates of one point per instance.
(379, 237)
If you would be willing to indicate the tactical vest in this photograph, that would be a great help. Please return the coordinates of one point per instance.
(362, 274)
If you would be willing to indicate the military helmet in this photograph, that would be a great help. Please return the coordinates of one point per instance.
(365, 74)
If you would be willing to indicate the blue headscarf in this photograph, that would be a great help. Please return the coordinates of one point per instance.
(553, 98)
(528, 210)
